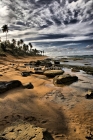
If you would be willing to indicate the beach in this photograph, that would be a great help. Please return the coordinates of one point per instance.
(62, 112)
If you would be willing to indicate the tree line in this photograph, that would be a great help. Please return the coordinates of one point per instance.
(18, 47)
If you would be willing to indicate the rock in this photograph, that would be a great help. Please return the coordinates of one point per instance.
(48, 59)
(53, 73)
(35, 63)
(2, 138)
(1, 75)
(53, 68)
(64, 79)
(28, 85)
(75, 70)
(56, 62)
(65, 61)
(45, 63)
(5, 86)
(25, 74)
(89, 95)
(25, 131)
(41, 63)
(38, 70)
(4, 55)
(47, 136)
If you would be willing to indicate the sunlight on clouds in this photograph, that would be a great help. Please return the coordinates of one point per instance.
(38, 21)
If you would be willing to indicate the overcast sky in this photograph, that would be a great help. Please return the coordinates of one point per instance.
(60, 27)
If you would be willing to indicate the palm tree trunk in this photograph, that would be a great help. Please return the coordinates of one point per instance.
(6, 36)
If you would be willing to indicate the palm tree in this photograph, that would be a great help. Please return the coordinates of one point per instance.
(25, 47)
(5, 29)
(43, 52)
(36, 52)
(14, 42)
(18, 43)
(30, 46)
(21, 41)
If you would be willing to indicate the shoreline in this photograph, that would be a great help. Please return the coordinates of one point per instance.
(66, 118)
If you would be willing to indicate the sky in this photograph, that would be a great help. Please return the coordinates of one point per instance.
(59, 27)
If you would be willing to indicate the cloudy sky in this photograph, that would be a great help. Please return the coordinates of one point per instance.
(60, 27)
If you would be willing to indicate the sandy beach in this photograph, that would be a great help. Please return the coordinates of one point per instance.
(62, 111)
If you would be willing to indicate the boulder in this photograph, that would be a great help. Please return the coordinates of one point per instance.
(75, 70)
(65, 79)
(5, 86)
(56, 62)
(53, 73)
(89, 95)
(28, 85)
(45, 63)
(38, 70)
(25, 73)
(40, 63)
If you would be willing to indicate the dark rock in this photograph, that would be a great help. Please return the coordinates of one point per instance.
(47, 136)
(1, 75)
(53, 73)
(25, 74)
(56, 62)
(75, 70)
(41, 63)
(28, 85)
(38, 70)
(48, 59)
(89, 137)
(4, 55)
(65, 61)
(64, 79)
(5, 86)
(38, 62)
(87, 64)
(45, 63)
(33, 63)
(89, 95)
(2, 138)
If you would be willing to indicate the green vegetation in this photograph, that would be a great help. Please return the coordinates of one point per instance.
(17, 48)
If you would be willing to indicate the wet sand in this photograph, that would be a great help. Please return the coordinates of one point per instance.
(63, 111)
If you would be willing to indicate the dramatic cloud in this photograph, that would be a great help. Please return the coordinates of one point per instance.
(49, 23)
(89, 47)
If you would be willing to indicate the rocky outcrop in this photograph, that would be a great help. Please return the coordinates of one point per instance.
(41, 63)
(64, 79)
(56, 62)
(2, 138)
(25, 74)
(38, 70)
(25, 131)
(28, 85)
(8, 85)
(5, 86)
(89, 95)
(53, 73)
(75, 70)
